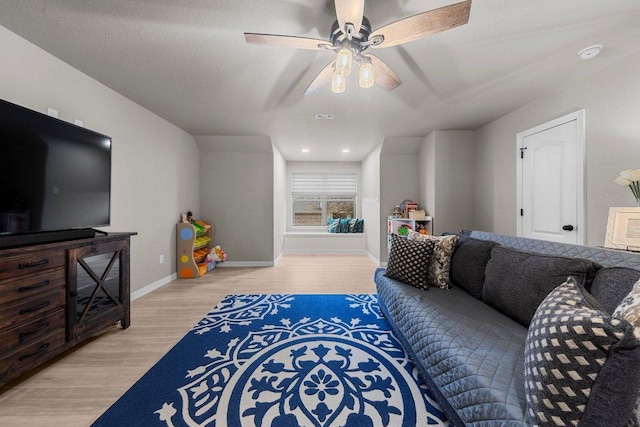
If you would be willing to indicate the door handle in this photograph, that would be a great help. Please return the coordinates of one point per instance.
(567, 227)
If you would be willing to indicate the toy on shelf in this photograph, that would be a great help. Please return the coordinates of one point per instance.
(403, 230)
(218, 254)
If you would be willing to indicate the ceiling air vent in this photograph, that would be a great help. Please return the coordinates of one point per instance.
(324, 116)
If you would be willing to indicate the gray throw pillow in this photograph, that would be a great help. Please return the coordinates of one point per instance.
(409, 261)
(516, 281)
(468, 262)
(612, 284)
(580, 363)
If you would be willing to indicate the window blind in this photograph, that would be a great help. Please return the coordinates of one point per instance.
(324, 183)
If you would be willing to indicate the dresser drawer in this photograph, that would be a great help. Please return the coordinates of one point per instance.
(27, 286)
(26, 310)
(30, 263)
(31, 332)
(27, 356)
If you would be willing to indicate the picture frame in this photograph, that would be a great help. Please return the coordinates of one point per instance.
(623, 229)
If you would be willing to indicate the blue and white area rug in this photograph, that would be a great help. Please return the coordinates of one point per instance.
(282, 360)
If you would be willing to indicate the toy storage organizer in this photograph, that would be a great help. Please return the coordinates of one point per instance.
(400, 226)
(193, 246)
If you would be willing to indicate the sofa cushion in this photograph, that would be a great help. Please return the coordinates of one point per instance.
(471, 355)
(612, 284)
(409, 261)
(440, 264)
(577, 362)
(516, 282)
(468, 262)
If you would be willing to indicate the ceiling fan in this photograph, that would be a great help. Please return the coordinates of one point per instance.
(351, 37)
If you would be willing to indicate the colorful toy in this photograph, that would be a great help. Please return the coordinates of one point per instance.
(217, 254)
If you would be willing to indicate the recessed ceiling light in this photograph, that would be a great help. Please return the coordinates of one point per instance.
(346, 150)
(305, 150)
(590, 52)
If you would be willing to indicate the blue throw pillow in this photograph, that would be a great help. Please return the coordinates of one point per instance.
(344, 225)
(333, 225)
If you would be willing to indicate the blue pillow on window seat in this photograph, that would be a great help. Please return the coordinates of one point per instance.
(357, 226)
(333, 225)
(344, 225)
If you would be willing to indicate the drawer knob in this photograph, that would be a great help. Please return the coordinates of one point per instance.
(35, 308)
(39, 351)
(33, 264)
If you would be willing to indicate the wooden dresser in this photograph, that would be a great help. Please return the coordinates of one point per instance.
(55, 295)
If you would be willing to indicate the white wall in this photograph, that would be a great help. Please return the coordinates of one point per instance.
(447, 165)
(611, 99)
(279, 201)
(237, 196)
(399, 174)
(154, 170)
(370, 196)
(427, 174)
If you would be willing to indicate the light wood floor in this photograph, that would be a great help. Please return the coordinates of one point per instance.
(77, 387)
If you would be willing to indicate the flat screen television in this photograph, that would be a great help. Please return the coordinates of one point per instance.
(55, 178)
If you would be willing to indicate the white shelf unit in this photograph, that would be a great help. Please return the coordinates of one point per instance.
(394, 225)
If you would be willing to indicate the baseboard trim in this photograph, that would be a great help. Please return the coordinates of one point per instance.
(323, 252)
(153, 286)
(373, 258)
(278, 258)
(245, 264)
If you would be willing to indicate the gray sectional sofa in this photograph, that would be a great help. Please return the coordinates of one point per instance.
(479, 347)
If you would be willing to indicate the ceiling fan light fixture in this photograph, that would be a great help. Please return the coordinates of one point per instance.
(344, 61)
(366, 75)
(351, 35)
(338, 82)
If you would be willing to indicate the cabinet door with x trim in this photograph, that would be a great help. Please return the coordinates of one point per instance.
(97, 288)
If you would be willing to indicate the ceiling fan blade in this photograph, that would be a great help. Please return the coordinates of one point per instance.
(350, 11)
(286, 41)
(424, 24)
(322, 79)
(384, 76)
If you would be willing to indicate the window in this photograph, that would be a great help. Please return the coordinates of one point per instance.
(317, 197)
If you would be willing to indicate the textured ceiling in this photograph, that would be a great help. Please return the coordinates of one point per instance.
(187, 61)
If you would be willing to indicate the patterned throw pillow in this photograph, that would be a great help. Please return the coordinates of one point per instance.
(440, 263)
(577, 362)
(629, 309)
(344, 225)
(334, 223)
(409, 261)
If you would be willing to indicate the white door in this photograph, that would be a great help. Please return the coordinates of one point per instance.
(551, 180)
